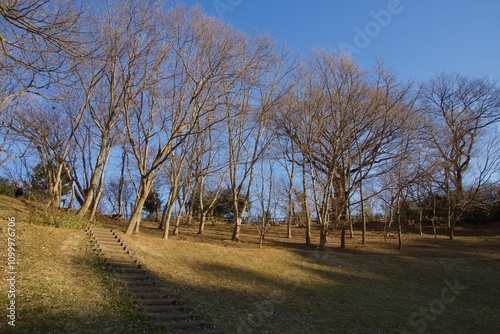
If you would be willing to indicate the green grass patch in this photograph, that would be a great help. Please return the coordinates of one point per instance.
(66, 220)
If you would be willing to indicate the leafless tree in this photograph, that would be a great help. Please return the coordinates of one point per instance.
(183, 81)
(50, 128)
(345, 123)
(36, 38)
(457, 112)
(265, 194)
(261, 90)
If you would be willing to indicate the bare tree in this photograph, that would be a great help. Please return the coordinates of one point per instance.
(183, 81)
(289, 153)
(36, 38)
(345, 123)
(50, 128)
(265, 194)
(261, 90)
(457, 110)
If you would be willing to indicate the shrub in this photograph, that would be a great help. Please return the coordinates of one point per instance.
(69, 220)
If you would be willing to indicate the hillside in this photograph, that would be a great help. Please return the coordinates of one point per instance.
(448, 287)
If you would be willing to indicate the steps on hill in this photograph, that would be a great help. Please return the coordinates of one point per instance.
(143, 288)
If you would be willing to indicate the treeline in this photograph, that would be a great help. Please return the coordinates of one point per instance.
(135, 105)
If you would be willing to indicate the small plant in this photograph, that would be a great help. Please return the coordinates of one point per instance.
(68, 220)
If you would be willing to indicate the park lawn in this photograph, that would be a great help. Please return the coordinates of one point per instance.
(285, 287)
(60, 287)
(448, 287)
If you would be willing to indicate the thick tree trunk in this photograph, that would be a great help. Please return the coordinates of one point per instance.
(94, 178)
(203, 218)
(237, 228)
(135, 219)
(323, 239)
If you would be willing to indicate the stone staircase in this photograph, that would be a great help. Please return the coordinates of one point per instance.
(144, 288)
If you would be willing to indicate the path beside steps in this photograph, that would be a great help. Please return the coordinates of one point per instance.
(144, 289)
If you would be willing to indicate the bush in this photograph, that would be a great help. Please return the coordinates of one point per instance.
(68, 220)
(6, 187)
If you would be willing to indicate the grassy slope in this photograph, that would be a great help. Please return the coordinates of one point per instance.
(60, 287)
(282, 288)
(253, 290)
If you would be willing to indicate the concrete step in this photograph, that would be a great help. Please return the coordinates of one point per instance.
(190, 324)
(166, 309)
(111, 248)
(113, 251)
(151, 294)
(110, 243)
(119, 259)
(127, 271)
(136, 277)
(106, 236)
(159, 301)
(174, 316)
(118, 265)
(144, 290)
(140, 283)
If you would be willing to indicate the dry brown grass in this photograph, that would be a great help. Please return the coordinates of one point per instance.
(286, 287)
(60, 287)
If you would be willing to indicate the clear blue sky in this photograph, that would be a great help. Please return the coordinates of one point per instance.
(418, 38)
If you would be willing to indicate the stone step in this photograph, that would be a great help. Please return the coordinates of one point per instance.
(122, 270)
(101, 230)
(115, 242)
(166, 308)
(141, 283)
(104, 235)
(190, 324)
(159, 301)
(118, 265)
(109, 245)
(117, 251)
(136, 277)
(174, 316)
(112, 249)
(126, 259)
(143, 289)
(152, 294)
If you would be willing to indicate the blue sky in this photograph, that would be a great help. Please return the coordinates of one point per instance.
(418, 38)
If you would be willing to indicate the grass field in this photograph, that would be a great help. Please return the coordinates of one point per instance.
(285, 287)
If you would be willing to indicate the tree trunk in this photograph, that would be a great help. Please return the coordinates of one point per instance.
(420, 219)
(237, 228)
(99, 190)
(168, 218)
(121, 183)
(342, 238)
(305, 206)
(400, 229)
(363, 216)
(94, 178)
(323, 239)
(203, 218)
(135, 219)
